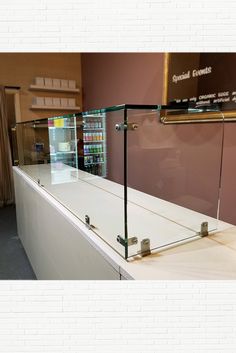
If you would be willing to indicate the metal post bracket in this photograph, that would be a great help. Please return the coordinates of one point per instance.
(128, 126)
(145, 247)
(88, 224)
(129, 241)
(204, 229)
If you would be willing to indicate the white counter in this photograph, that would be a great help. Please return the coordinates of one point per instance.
(213, 257)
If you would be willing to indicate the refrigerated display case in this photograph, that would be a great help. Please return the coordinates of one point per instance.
(94, 143)
(63, 140)
(73, 140)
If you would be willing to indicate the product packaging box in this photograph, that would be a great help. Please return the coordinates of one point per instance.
(71, 102)
(56, 102)
(48, 101)
(39, 81)
(71, 84)
(56, 82)
(64, 102)
(64, 83)
(38, 100)
(48, 82)
(59, 122)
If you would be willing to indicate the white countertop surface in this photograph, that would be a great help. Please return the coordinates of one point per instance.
(211, 257)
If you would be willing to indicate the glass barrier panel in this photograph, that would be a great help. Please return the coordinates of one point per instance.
(14, 148)
(173, 179)
(32, 140)
(62, 147)
(86, 171)
(146, 187)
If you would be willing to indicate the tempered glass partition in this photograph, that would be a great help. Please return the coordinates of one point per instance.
(173, 175)
(33, 146)
(135, 182)
(80, 164)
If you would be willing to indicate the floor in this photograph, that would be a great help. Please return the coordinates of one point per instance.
(14, 263)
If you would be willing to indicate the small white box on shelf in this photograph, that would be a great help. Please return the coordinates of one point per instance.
(64, 83)
(64, 146)
(56, 82)
(64, 102)
(72, 84)
(56, 102)
(48, 101)
(71, 102)
(38, 100)
(48, 82)
(39, 81)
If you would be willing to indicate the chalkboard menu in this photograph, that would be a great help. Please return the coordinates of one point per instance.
(202, 78)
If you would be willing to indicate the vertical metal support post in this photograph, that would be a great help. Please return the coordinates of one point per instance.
(125, 185)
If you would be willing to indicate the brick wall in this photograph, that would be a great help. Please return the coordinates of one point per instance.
(125, 316)
(117, 25)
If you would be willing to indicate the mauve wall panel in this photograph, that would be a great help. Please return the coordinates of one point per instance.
(228, 192)
(116, 78)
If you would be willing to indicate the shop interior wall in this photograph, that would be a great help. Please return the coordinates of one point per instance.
(117, 78)
(20, 69)
(174, 158)
(228, 184)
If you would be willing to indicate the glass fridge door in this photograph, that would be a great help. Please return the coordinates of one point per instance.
(63, 140)
(94, 143)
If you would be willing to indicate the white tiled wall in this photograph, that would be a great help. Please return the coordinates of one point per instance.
(117, 25)
(125, 316)
(117, 316)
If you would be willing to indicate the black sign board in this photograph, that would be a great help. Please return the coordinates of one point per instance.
(202, 78)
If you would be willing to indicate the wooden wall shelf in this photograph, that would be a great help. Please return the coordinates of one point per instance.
(51, 107)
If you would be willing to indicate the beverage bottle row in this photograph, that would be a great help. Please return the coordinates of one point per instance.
(92, 124)
(94, 148)
(94, 136)
(93, 159)
(95, 169)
